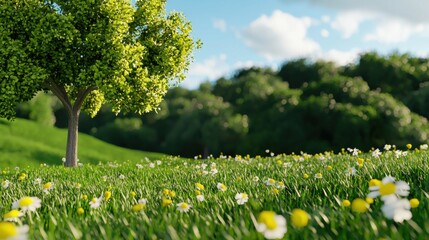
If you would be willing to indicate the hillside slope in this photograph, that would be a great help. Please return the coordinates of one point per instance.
(25, 143)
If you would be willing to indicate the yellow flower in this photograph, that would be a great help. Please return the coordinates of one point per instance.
(84, 197)
(360, 161)
(374, 183)
(267, 218)
(172, 194)
(80, 211)
(107, 195)
(199, 186)
(279, 162)
(239, 179)
(10, 231)
(329, 168)
(318, 175)
(359, 205)
(166, 192)
(12, 215)
(133, 194)
(369, 200)
(306, 175)
(414, 203)
(299, 218)
(275, 191)
(409, 146)
(346, 203)
(140, 206)
(166, 202)
(197, 192)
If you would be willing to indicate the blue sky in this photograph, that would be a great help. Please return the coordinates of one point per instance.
(244, 33)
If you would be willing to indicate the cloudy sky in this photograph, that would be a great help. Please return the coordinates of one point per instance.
(244, 33)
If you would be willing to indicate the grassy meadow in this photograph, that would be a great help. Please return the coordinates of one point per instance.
(144, 199)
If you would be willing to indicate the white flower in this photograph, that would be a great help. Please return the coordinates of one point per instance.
(203, 166)
(9, 231)
(255, 178)
(143, 201)
(37, 181)
(5, 184)
(183, 207)
(221, 187)
(158, 162)
(387, 147)
(398, 153)
(200, 198)
(151, 165)
(241, 198)
(48, 186)
(389, 189)
(121, 176)
(95, 202)
(424, 146)
(397, 209)
(27, 204)
(270, 182)
(63, 159)
(213, 171)
(376, 153)
(204, 172)
(271, 225)
(351, 171)
(13, 215)
(104, 178)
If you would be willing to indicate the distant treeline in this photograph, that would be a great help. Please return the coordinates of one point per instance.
(305, 106)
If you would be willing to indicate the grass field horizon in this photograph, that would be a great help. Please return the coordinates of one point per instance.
(26, 143)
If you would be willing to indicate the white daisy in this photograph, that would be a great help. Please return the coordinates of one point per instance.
(398, 210)
(241, 198)
(200, 198)
(48, 187)
(183, 207)
(37, 181)
(389, 189)
(221, 187)
(271, 225)
(9, 231)
(376, 153)
(13, 215)
(5, 184)
(95, 202)
(270, 182)
(27, 204)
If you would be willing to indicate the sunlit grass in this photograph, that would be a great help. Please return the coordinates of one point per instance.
(219, 216)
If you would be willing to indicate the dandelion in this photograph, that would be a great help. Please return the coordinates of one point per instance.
(397, 209)
(107, 195)
(27, 204)
(221, 187)
(13, 215)
(359, 205)
(200, 198)
(414, 203)
(329, 168)
(275, 191)
(48, 187)
(166, 202)
(318, 175)
(306, 175)
(37, 181)
(138, 207)
(9, 231)
(241, 198)
(270, 224)
(270, 182)
(95, 202)
(199, 186)
(389, 189)
(5, 184)
(299, 218)
(183, 207)
(84, 197)
(346, 203)
(80, 211)
(409, 146)
(133, 194)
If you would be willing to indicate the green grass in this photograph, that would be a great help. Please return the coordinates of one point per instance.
(23, 143)
(220, 217)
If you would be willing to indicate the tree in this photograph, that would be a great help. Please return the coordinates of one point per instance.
(89, 53)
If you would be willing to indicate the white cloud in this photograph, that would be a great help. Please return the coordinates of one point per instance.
(208, 70)
(220, 24)
(326, 19)
(394, 31)
(340, 57)
(347, 23)
(324, 33)
(280, 36)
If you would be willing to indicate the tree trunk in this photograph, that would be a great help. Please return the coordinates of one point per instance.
(72, 139)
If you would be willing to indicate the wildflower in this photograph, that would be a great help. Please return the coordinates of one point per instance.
(27, 204)
(318, 175)
(280, 185)
(121, 176)
(158, 162)
(152, 165)
(351, 171)
(133, 194)
(213, 171)
(200, 198)
(329, 168)
(221, 187)
(255, 178)
(22, 177)
(48, 186)
(139, 166)
(107, 195)
(13, 215)
(414, 203)
(423, 147)
(360, 162)
(299, 218)
(84, 196)
(37, 181)
(80, 211)
(5, 184)
(241, 198)
(139, 207)
(409, 146)
(346, 203)
(359, 205)
(389, 189)
(374, 182)
(270, 182)
(104, 178)
(387, 147)
(306, 175)
(271, 225)
(369, 200)
(10, 231)
(397, 209)
(142, 200)
(95, 202)
(77, 185)
(183, 207)
(376, 153)
(199, 186)
(166, 202)
(275, 191)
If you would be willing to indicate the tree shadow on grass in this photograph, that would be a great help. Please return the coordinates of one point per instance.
(46, 157)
